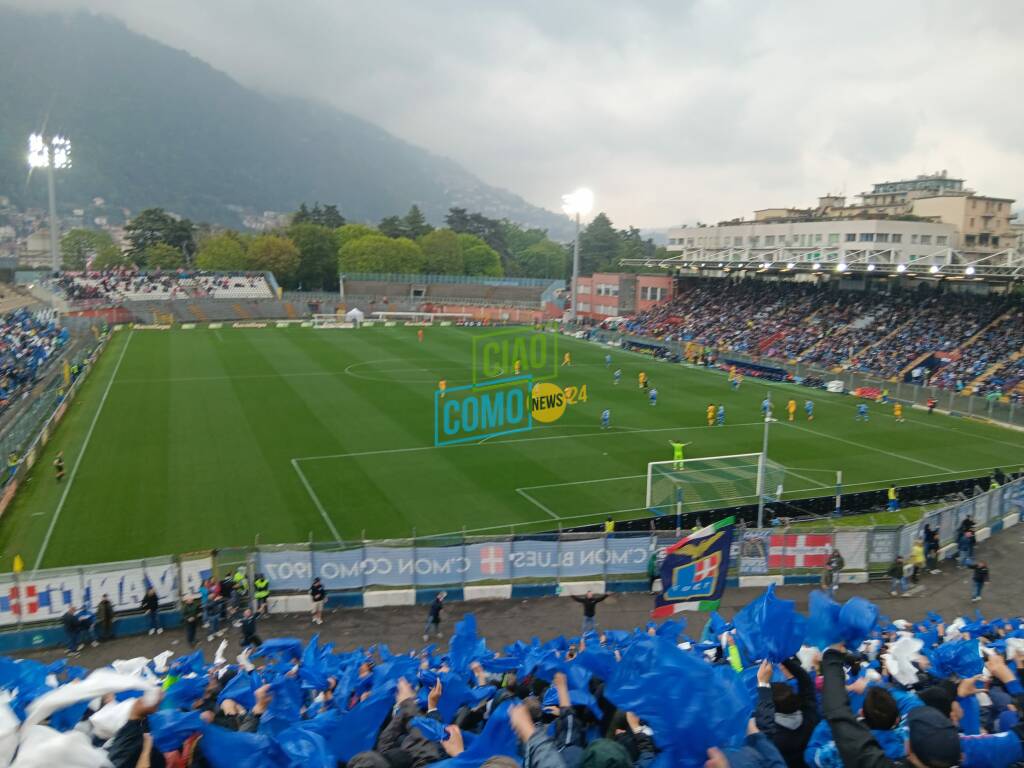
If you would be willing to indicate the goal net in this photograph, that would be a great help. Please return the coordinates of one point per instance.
(714, 482)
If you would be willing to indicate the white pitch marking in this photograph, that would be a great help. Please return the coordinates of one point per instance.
(528, 497)
(81, 454)
(316, 501)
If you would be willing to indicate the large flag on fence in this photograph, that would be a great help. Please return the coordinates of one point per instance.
(693, 572)
(809, 550)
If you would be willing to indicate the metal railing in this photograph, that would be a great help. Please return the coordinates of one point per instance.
(459, 561)
(408, 277)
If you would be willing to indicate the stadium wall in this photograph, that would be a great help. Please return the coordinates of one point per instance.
(379, 573)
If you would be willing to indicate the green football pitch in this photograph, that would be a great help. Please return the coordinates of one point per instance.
(186, 440)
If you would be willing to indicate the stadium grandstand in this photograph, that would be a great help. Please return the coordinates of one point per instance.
(508, 299)
(197, 297)
(957, 341)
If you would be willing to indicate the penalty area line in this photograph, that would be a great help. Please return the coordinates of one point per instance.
(316, 501)
(528, 497)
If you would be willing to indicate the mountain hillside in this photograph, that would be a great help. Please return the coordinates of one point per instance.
(154, 126)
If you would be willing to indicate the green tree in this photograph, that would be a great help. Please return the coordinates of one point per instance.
(443, 253)
(392, 226)
(634, 246)
(224, 252)
(163, 256)
(415, 224)
(377, 253)
(600, 246)
(544, 259)
(350, 232)
(112, 258)
(481, 260)
(325, 216)
(79, 246)
(275, 254)
(491, 231)
(155, 225)
(318, 259)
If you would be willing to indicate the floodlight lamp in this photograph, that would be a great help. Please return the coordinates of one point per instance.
(765, 265)
(38, 156)
(789, 266)
(720, 265)
(578, 203)
(969, 271)
(840, 267)
(61, 146)
(901, 268)
(816, 265)
(933, 269)
(871, 267)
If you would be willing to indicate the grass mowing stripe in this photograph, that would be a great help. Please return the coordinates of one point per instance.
(507, 442)
(81, 453)
(871, 448)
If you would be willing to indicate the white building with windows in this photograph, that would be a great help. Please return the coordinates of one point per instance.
(903, 240)
(856, 245)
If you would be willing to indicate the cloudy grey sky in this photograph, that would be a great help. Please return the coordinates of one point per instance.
(671, 111)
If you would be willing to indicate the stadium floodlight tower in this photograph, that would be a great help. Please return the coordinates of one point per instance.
(577, 204)
(52, 153)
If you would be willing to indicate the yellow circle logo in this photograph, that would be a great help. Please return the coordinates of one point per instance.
(547, 401)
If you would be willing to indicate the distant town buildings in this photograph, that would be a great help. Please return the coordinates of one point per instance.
(902, 221)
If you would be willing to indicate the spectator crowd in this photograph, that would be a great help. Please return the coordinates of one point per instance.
(881, 333)
(840, 686)
(28, 340)
(132, 284)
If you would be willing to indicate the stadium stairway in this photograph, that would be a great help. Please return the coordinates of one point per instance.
(241, 311)
(988, 373)
(289, 310)
(993, 369)
(198, 313)
(914, 364)
(163, 318)
(974, 337)
(768, 342)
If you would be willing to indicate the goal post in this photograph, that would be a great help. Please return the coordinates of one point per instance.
(712, 482)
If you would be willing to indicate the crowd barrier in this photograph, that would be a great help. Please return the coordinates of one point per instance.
(32, 428)
(405, 572)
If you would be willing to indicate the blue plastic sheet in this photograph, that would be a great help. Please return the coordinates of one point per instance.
(769, 628)
(305, 749)
(233, 749)
(432, 730)
(169, 728)
(241, 688)
(497, 738)
(961, 658)
(280, 648)
(697, 705)
(184, 692)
